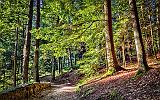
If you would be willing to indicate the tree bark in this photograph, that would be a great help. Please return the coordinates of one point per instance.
(59, 65)
(15, 58)
(64, 61)
(36, 53)
(151, 39)
(22, 41)
(70, 58)
(53, 68)
(141, 55)
(123, 50)
(159, 23)
(111, 56)
(75, 59)
(26, 50)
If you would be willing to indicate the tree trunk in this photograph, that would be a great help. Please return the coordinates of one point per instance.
(111, 56)
(151, 50)
(23, 39)
(64, 61)
(15, 58)
(141, 55)
(123, 50)
(70, 58)
(36, 61)
(159, 23)
(36, 53)
(53, 68)
(26, 50)
(75, 59)
(59, 65)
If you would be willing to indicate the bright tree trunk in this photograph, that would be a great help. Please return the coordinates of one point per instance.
(70, 58)
(36, 53)
(22, 41)
(75, 59)
(141, 55)
(111, 56)
(59, 65)
(64, 61)
(26, 50)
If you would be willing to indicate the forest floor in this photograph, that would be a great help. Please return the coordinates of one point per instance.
(120, 86)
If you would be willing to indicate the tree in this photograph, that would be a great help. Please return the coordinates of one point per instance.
(36, 53)
(26, 50)
(53, 67)
(141, 55)
(159, 22)
(15, 57)
(111, 56)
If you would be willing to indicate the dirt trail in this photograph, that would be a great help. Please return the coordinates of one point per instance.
(58, 92)
(68, 92)
(123, 87)
(119, 85)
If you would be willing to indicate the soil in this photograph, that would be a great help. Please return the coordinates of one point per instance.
(120, 86)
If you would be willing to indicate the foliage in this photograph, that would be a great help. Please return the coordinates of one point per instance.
(72, 30)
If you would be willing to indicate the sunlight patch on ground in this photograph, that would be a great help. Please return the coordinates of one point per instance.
(66, 89)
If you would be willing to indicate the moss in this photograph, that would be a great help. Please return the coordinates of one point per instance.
(111, 70)
(139, 73)
(22, 92)
(78, 89)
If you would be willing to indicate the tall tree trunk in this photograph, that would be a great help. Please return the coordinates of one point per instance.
(15, 57)
(53, 68)
(123, 50)
(59, 65)
(26, 50)
(23, 40)
(70, 58)
(159, 23)
(36, 53)
(141, 55)
(130, 51)
(64, 61)
(111, 56)
(151, 36)
(75, 59)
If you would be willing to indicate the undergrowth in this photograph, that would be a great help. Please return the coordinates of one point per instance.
(113, 95)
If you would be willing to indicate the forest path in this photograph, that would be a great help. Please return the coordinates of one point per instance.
(57, 92)
(68, 92)
(121, 84)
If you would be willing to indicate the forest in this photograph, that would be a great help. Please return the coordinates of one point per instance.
(80, 49)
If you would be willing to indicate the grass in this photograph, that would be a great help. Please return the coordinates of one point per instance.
(91, 79)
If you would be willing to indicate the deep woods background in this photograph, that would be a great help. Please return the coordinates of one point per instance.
(51, 37)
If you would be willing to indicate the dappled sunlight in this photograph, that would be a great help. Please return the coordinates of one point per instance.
(79, 50)
(66, 89)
